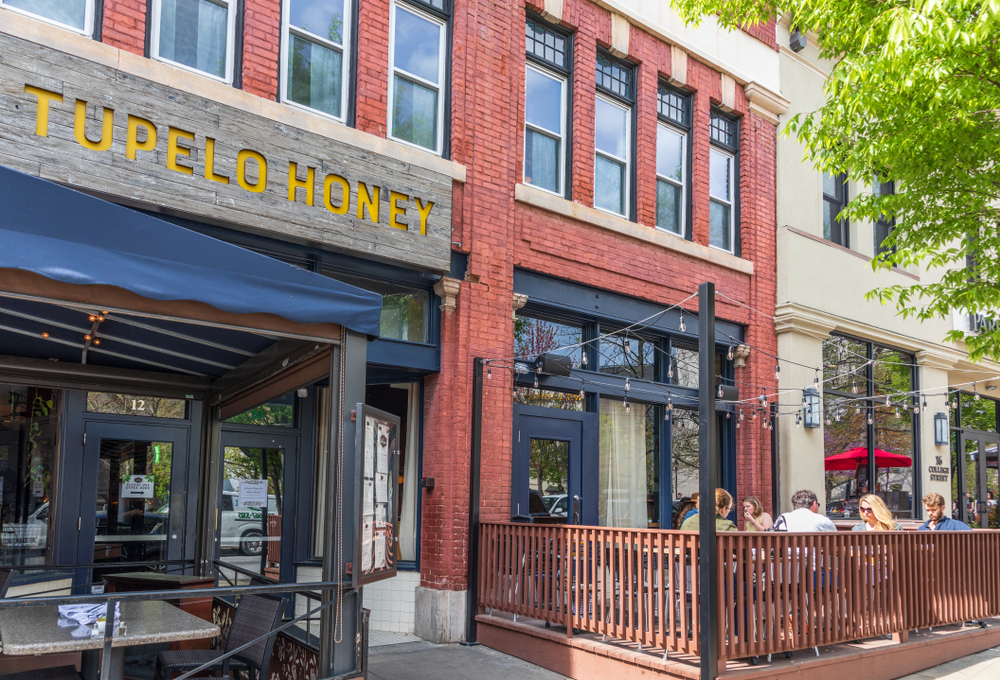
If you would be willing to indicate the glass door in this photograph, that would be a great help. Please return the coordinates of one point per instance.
(978, 481)
(132, 496)
(256, 473)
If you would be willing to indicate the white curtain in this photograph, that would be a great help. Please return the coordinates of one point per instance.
(622, 468)
(408, 503)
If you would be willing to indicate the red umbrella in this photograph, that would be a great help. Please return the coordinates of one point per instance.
(848, 460)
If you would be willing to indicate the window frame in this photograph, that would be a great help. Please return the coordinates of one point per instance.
(346, 51)
(683, 128)
(628, 104)
(844, 225)
(562, 138)
(732, 151)
(232, 7)
(881, 223)
(89, 17)
(424, 12)
(565, 73)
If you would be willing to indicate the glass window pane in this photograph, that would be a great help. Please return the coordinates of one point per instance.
(670, 154)
(541, 160)
(830, 233)
(684, 452)
(193, 33)
(668, 207)
(324, 18)
(719, 175)
(685, 367)
(246, 532)
(543, 101)
(404, 310)
(132, 405)
(627, 480)
(978, 415)
(70, 12)
(29, 439)
(845, 436)
(829, 184)
(609, 185)
(548, 467)
(537, 336)
(892, 372)
(611, 128)
(628, 355)
(844, 365)
(414, 113)
(566, 401)
(720, 232)
(314, 75)
(278, 412)
(893, 482)
(417, 45)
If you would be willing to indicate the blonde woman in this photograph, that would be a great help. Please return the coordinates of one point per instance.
(875, 516)
(723, 504)
(756, 518)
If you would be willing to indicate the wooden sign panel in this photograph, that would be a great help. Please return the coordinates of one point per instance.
(88, 125)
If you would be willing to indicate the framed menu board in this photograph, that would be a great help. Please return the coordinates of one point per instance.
(377, 443)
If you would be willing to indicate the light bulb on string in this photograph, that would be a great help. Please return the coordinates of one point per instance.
(763, 424)
(628, 347)
(720, 391)
(737, 424)
(729, 354)
(798, 420)
(888, 400)
(536, 382)
(897, 412)
(628, 407)
(954, 403)
(857, 410)
(755, 413)
(670, 368)
(777, 372)
(489, 373)
(628, 384)
(728, 415)
(670, 403)
(805, 400)
(741, 413)
(583, 393)
(816, 380)
(925, 402)
(681, 325)
(870, 418)
(828, 423)
(916, 409)
(770, 426)
(975, 391)
(854, 385)
(583, 358)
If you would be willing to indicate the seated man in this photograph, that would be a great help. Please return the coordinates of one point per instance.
(804, 516)
(936, 520)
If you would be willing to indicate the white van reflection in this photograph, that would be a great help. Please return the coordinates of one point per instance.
(242, 527)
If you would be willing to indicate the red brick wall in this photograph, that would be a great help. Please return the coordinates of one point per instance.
(373, 66)
(261, 44)
(124, 25)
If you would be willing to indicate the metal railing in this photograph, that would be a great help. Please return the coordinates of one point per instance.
(778, 592)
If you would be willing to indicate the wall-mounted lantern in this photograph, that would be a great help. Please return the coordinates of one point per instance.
(812, 413)
(941, 434)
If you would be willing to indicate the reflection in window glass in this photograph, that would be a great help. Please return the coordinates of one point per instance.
(29, 440)
(194, 33)
(417, 70)
(404, 310)
(71, 13)
(628, 355)
(548, 466)
(628, 482)
(846, 480)
(670, 154)
(132, 405)
(247, 532)
(533, 336)
(543, 128)
(278, 412)
(567, 401)
(685, 365)
(315, 42)
(684, 452)
(844, 365)
(612, 157)
(978, 414)
(721, 200)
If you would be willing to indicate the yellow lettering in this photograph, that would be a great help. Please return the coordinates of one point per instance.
(241, 170)
(345, 197)
(210, 163)
(80, 128)
(425, 211)
(173, 151)
(396, 210)
(366, 201)
(294, 182)
(132, 143)
(42, 115)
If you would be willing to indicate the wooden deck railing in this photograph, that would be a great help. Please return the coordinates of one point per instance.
(777, 591)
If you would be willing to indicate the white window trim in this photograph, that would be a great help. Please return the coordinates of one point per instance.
(88, 18)
(626, 185)
(561, 159)
(345, 55)
(683, 182)
(730, 201)
(154, 40)
(439, 87)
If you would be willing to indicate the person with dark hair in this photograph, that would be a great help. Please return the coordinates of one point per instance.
(936, 521)
(723, 504)
(685, 506)
(805, 515)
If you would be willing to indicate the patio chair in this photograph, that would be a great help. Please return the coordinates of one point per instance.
(255, 615)
(61, 673)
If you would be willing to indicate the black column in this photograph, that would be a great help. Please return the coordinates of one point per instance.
(708, 481)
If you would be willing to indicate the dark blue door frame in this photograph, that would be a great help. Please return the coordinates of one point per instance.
(576, 427)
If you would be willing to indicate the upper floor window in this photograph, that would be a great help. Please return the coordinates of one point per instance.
(834, 199)
(883, 225)
(315, 59)
(197, 34)
(545, 111)
(416, 92)
(671, 159)
(75, 14)
(723, 182)
(613, 135)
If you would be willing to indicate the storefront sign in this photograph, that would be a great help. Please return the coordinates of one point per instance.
(253, 493)
(137, 486)
(938, 473)
(90, 125)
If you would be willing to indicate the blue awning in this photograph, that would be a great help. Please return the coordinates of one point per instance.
(71, 237)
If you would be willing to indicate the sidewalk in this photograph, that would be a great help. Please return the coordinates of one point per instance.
(981, 666)
(426, 661)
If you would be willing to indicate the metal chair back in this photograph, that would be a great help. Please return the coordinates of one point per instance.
(255, 616)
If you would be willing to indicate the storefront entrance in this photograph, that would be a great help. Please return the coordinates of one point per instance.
(975, 479)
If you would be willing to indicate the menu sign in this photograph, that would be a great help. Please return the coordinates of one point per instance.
(378, 445)
(137, 486)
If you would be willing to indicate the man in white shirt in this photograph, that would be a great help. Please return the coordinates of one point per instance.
(805, 515)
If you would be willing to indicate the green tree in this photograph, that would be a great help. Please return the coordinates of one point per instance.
(913, 97)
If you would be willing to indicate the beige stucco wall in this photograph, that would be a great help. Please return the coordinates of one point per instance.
(821, 290)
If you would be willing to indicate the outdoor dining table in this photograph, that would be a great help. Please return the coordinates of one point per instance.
(29, 630)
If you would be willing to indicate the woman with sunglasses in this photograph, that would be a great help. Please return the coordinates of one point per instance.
(875, 516)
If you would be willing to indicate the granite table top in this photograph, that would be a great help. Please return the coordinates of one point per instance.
(34, 629)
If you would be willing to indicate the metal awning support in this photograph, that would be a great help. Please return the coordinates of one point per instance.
(709, 479)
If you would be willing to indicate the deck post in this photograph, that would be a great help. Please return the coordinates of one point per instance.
(708, 481)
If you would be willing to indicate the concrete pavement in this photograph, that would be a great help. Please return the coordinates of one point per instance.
(426, 661)
(981, 666)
